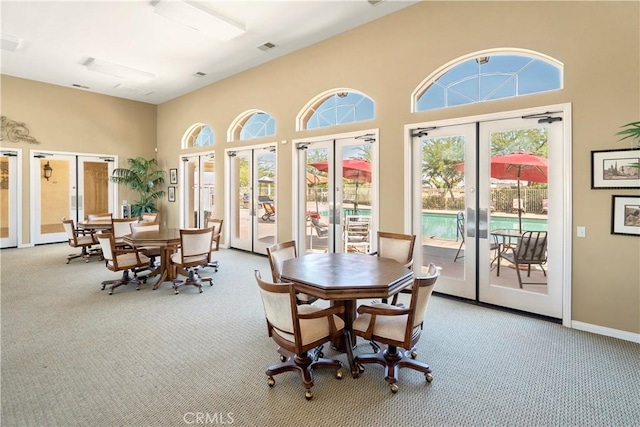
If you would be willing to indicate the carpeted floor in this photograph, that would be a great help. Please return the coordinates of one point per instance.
(74, 356)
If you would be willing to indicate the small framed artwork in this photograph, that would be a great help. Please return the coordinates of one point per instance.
(615, 168)
(173, 176)
(625, 215)
(171, 192)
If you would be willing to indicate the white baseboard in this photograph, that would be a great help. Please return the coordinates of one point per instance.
(609, 332)
(25, 245)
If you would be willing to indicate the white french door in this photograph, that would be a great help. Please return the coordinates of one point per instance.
(252, 203)
(198, 181)
(78, 185)
(336, 181)
(9, 198)
(460, 208)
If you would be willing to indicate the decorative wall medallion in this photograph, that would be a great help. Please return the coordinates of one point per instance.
(15, 132)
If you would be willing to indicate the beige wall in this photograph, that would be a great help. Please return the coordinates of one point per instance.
(597, 42)
(72, 120)
(386, 59)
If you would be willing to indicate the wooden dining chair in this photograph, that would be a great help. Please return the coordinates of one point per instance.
(298, 329)
(279, 253)
(83, 239)
(149, 217)
(152, 252)
(195, 250)
(216, 224)
(397, 327)
(121, 227)
(398, 247)
(122, 259)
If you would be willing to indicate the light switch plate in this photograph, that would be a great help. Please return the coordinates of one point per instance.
(581, 231)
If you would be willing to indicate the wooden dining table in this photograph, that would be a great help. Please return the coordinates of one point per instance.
(168, 239)
(343, 278)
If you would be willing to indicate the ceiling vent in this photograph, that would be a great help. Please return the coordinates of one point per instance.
(199, 74)
(132, 90)
(79, 86)
(267, 46)
(374, 2)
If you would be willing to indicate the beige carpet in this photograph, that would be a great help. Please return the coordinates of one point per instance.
(71, 355)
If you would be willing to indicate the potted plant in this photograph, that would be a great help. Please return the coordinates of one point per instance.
(144, 178)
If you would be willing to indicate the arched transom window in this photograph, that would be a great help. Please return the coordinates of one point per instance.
(252, 124)
(336, 107)
(488, 76)
(198, 135)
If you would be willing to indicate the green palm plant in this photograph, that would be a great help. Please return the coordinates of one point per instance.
(632, 131)
(144, 178)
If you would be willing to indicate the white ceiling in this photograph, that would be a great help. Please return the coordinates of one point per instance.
(57, 37)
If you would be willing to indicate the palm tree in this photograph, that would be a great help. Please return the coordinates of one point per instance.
(144, 178)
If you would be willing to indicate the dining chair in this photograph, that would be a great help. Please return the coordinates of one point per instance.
(122, 259)
(397, 327)
(121, 227)
(279, 253)
(152, 252)
(299, 329)
(149, 217)
(83, 239)
(216, 224)
(195, 250)
(531, 249)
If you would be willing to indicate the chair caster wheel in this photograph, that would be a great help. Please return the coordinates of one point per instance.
(360, 368)
(200, 290)
(394, 388)
(176, 292)
(339, 374)
(271, 382)
(429, 377)
(308, 395)
(320, 355)
(110, 292)
(414, 354)
(283, 358)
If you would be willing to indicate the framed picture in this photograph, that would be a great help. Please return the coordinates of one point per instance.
(171, 192)
(173, 176)
(625, 215)
(615, 168)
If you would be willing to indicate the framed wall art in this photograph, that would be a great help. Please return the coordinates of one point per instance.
(173, 176)
(171, 192)
(625, 215)
(615, 168)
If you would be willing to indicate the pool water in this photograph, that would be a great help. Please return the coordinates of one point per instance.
(443, 225)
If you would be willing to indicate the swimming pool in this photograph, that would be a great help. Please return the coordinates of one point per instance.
(443, 225)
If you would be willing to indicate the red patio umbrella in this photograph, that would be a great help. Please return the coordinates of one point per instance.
(357, 170)
(519, 166)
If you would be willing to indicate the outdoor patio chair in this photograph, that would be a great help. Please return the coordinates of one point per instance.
(518, 204)
(460, 233)
(269, 211)
(531, 249)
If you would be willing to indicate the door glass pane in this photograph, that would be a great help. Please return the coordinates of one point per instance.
(355, 174)
(55, 195)
(96, 187)
(266, 185)
(519, 204)
(191, 197)
(208, 184)
(443, 204)
(243, 214)
(4, 197)
(317, 202)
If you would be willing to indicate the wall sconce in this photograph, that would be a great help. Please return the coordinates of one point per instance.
(48, 170)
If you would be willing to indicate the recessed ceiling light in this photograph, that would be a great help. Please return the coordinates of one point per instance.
(199, 18)
(116, 70)
(9, 42)
(132, 90)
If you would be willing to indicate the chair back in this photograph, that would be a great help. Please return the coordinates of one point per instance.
(216, 224)
(144, 226)
(279, 253)
(107, 243)
(518, 204)
(357, 232)
(269, 208)
(278, 304)
(420, 296)
(460, 224)
(195, 245)
(122, 226)
(70, 229)
(322, 230)
(398, 247)
(532, 248)
(149, 217)
(100, 217)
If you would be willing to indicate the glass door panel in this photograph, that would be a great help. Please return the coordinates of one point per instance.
(198, 186)
(9, 199)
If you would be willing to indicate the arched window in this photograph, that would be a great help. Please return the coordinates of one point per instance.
(336, 107)
(198, 135)
(487, 76)
(252, 124)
